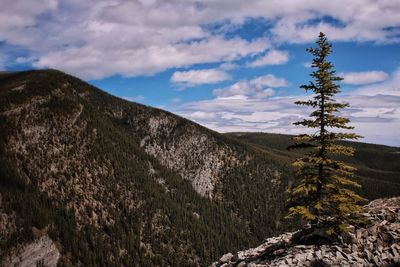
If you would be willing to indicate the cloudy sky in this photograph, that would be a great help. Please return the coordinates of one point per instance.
(231, 65)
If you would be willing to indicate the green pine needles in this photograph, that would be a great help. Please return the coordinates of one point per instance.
(323, 192)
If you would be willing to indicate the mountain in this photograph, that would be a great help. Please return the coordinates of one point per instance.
(374, 244)
(88, 179)
(378, 166)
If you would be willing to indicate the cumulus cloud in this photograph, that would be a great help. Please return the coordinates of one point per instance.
(242, 113)
(24, 60)
(273, 57)
(377, 118)
(98, 38)
(198, 77)
(390, 87)
(269, 80)
(374, 111)
(259, 87)
(19, 18)
(93, 62)
(359, 21)
(238, 88)
(365, 77)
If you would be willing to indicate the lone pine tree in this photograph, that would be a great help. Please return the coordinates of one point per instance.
(323, 191)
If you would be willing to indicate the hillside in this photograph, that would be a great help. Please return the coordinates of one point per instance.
(95, 180)
(378, 166)
(374, 244)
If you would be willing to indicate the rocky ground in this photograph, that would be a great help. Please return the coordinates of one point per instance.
(376, 244)
(40, 252)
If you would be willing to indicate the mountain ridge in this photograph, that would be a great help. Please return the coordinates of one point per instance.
(140, 185)
(77, 154)
(374, 162)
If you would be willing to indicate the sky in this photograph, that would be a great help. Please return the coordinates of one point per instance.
(230, 65)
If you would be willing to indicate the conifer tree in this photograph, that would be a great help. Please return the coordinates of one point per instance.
(323, 191)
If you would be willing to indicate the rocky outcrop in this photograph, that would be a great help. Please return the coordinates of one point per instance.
(40, 252)
(376, 244)
(194, 155)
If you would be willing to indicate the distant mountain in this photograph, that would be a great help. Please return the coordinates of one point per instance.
(378, 166)
(88, 179)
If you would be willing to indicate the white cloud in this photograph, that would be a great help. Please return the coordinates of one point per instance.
(374, 111)
(269, 80)
(238, 88)
(259, 87)
(24, 60)
(264, 93)
(244, 114)
(361, 20)
(201, 115)
(273, 57)
(377, 118)
(365, 77)
(198, 77)
(18, 20)
(176, 100)
(389, 87)
(92, 62)
(99, 38)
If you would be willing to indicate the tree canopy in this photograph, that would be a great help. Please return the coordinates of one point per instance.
(324, 188)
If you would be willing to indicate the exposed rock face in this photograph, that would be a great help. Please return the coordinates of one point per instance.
(194, 155)
(376, 244)
(40, 252)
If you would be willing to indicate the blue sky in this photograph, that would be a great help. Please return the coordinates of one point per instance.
(229, 65)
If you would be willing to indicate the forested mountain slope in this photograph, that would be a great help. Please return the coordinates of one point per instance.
(118, 183)
(115, 183)
(378, 166)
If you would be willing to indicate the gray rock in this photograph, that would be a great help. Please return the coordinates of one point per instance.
(376, 244)
(226, 257)
(40, 250)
